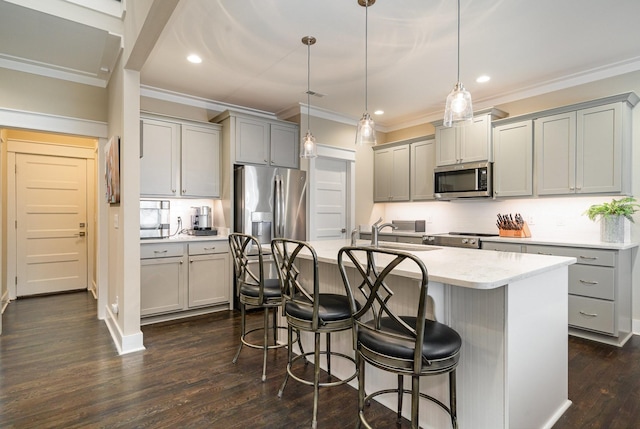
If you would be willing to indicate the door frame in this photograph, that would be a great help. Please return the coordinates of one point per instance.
(338, 153)
(17, 119)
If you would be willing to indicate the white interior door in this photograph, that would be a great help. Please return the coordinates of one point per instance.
(51, 206)
(330, 199)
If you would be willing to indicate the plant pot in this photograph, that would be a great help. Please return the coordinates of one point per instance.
(612, 229)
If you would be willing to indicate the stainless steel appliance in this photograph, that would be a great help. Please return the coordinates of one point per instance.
(270, 202)
(469, 180)
(201, 219)
(470, 240)
(154, 218)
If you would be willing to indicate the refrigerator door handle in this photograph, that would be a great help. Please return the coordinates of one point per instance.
(279, 209)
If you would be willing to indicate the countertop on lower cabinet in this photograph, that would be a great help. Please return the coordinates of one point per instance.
(511, 312)
(186, 238)
(564, 241)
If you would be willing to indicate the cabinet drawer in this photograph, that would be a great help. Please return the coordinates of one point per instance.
(161, 250)
(207, 247)
(591, 313)
(502, 247)
(583, 255)
(592, 281)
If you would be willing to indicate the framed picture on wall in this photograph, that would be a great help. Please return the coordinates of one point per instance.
(112, 169)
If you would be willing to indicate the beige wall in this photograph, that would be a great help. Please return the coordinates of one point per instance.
(162, 107)
(411, 132)
(32, 93)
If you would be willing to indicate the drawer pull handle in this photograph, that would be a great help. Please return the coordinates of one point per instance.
(160, 251)
(210, 248)
(590, 258)
(588, 314)
(542, 253)
(588, 282)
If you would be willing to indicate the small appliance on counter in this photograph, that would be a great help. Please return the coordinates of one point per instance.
(154, 219)
(201, 221)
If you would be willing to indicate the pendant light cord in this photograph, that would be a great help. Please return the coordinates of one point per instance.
(458, 41)
(366, 56)
(308, 87)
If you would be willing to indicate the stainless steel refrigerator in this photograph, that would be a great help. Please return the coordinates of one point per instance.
(270, 202)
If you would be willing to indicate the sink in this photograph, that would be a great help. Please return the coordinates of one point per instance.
(407, 247)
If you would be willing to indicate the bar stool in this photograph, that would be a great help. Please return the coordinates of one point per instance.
(408, 345)
(255, 290)
(306, 309)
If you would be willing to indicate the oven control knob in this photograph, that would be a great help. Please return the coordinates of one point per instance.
(465, 241)
(472, 241)
(428, 239)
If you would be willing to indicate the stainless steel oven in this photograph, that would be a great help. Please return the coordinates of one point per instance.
(469, 240)
(469, 180)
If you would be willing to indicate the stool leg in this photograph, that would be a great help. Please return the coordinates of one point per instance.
(242, 327)
(328, 345)
(316, 380)
(415, 401)
(361, 392)
(453, 399)
(400, 397)
(275, 324)
(289, 357)
(266, 343)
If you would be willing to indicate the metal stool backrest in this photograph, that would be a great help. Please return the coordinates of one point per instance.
(372, 267)
(246, 251)
(285, 254)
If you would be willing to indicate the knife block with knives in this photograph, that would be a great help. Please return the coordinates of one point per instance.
(512, 226)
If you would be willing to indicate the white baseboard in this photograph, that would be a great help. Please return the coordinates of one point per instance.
(4, 301)
(635, 326)
(124, 343)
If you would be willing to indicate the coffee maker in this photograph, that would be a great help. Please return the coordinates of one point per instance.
(201, 221)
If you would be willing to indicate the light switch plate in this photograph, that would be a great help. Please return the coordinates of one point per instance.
(115, 221)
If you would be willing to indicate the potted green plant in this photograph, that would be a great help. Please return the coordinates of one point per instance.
(612, 216)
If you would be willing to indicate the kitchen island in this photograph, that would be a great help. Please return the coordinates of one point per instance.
(511, 312)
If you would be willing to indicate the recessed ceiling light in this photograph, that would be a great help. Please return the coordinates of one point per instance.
(193, 58)
(379, 112)
(484, 78)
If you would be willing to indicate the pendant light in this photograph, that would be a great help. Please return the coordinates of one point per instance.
(366, 134)
(309, 141)
(458, 110)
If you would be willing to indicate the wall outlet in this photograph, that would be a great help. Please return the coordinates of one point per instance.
(530, 220)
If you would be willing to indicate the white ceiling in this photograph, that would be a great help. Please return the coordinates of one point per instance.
(253, 55)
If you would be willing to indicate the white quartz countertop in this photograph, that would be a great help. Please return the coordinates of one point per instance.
(472, 268)
(186, 238)
(564, 241)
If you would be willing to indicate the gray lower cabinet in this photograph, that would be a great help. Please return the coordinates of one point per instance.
(599, 289)
(180, 277)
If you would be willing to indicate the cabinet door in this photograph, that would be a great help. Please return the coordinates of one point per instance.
(159, 158)
(285, 148)
(555, 147)
(400, 176)
(382, 172)
(513, 159)
(599, 149)
(423, 161)
(446, 145)
(252, 141)
(200, 162)
(209, 279)
(475, 140)
(161, 285)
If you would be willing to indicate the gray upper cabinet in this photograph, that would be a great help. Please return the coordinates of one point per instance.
(391, 173)
(423, 161)
(179, 159)
(585, 151)
(513, 159)
(256, 140)
(469, 143)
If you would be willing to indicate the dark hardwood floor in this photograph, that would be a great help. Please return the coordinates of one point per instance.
(59, 369)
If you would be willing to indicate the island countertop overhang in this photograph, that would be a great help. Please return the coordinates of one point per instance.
(470, 268)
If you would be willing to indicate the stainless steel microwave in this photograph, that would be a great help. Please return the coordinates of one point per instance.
(469, 180)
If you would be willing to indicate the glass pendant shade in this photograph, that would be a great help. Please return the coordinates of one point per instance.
(308, 146)
(458, 110)
(366, 134)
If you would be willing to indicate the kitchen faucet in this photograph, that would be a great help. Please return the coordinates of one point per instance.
(375, 230)
(355, 234)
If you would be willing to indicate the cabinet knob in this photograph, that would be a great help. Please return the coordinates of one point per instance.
(173, 190)
(184, 191)
(191, 261)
